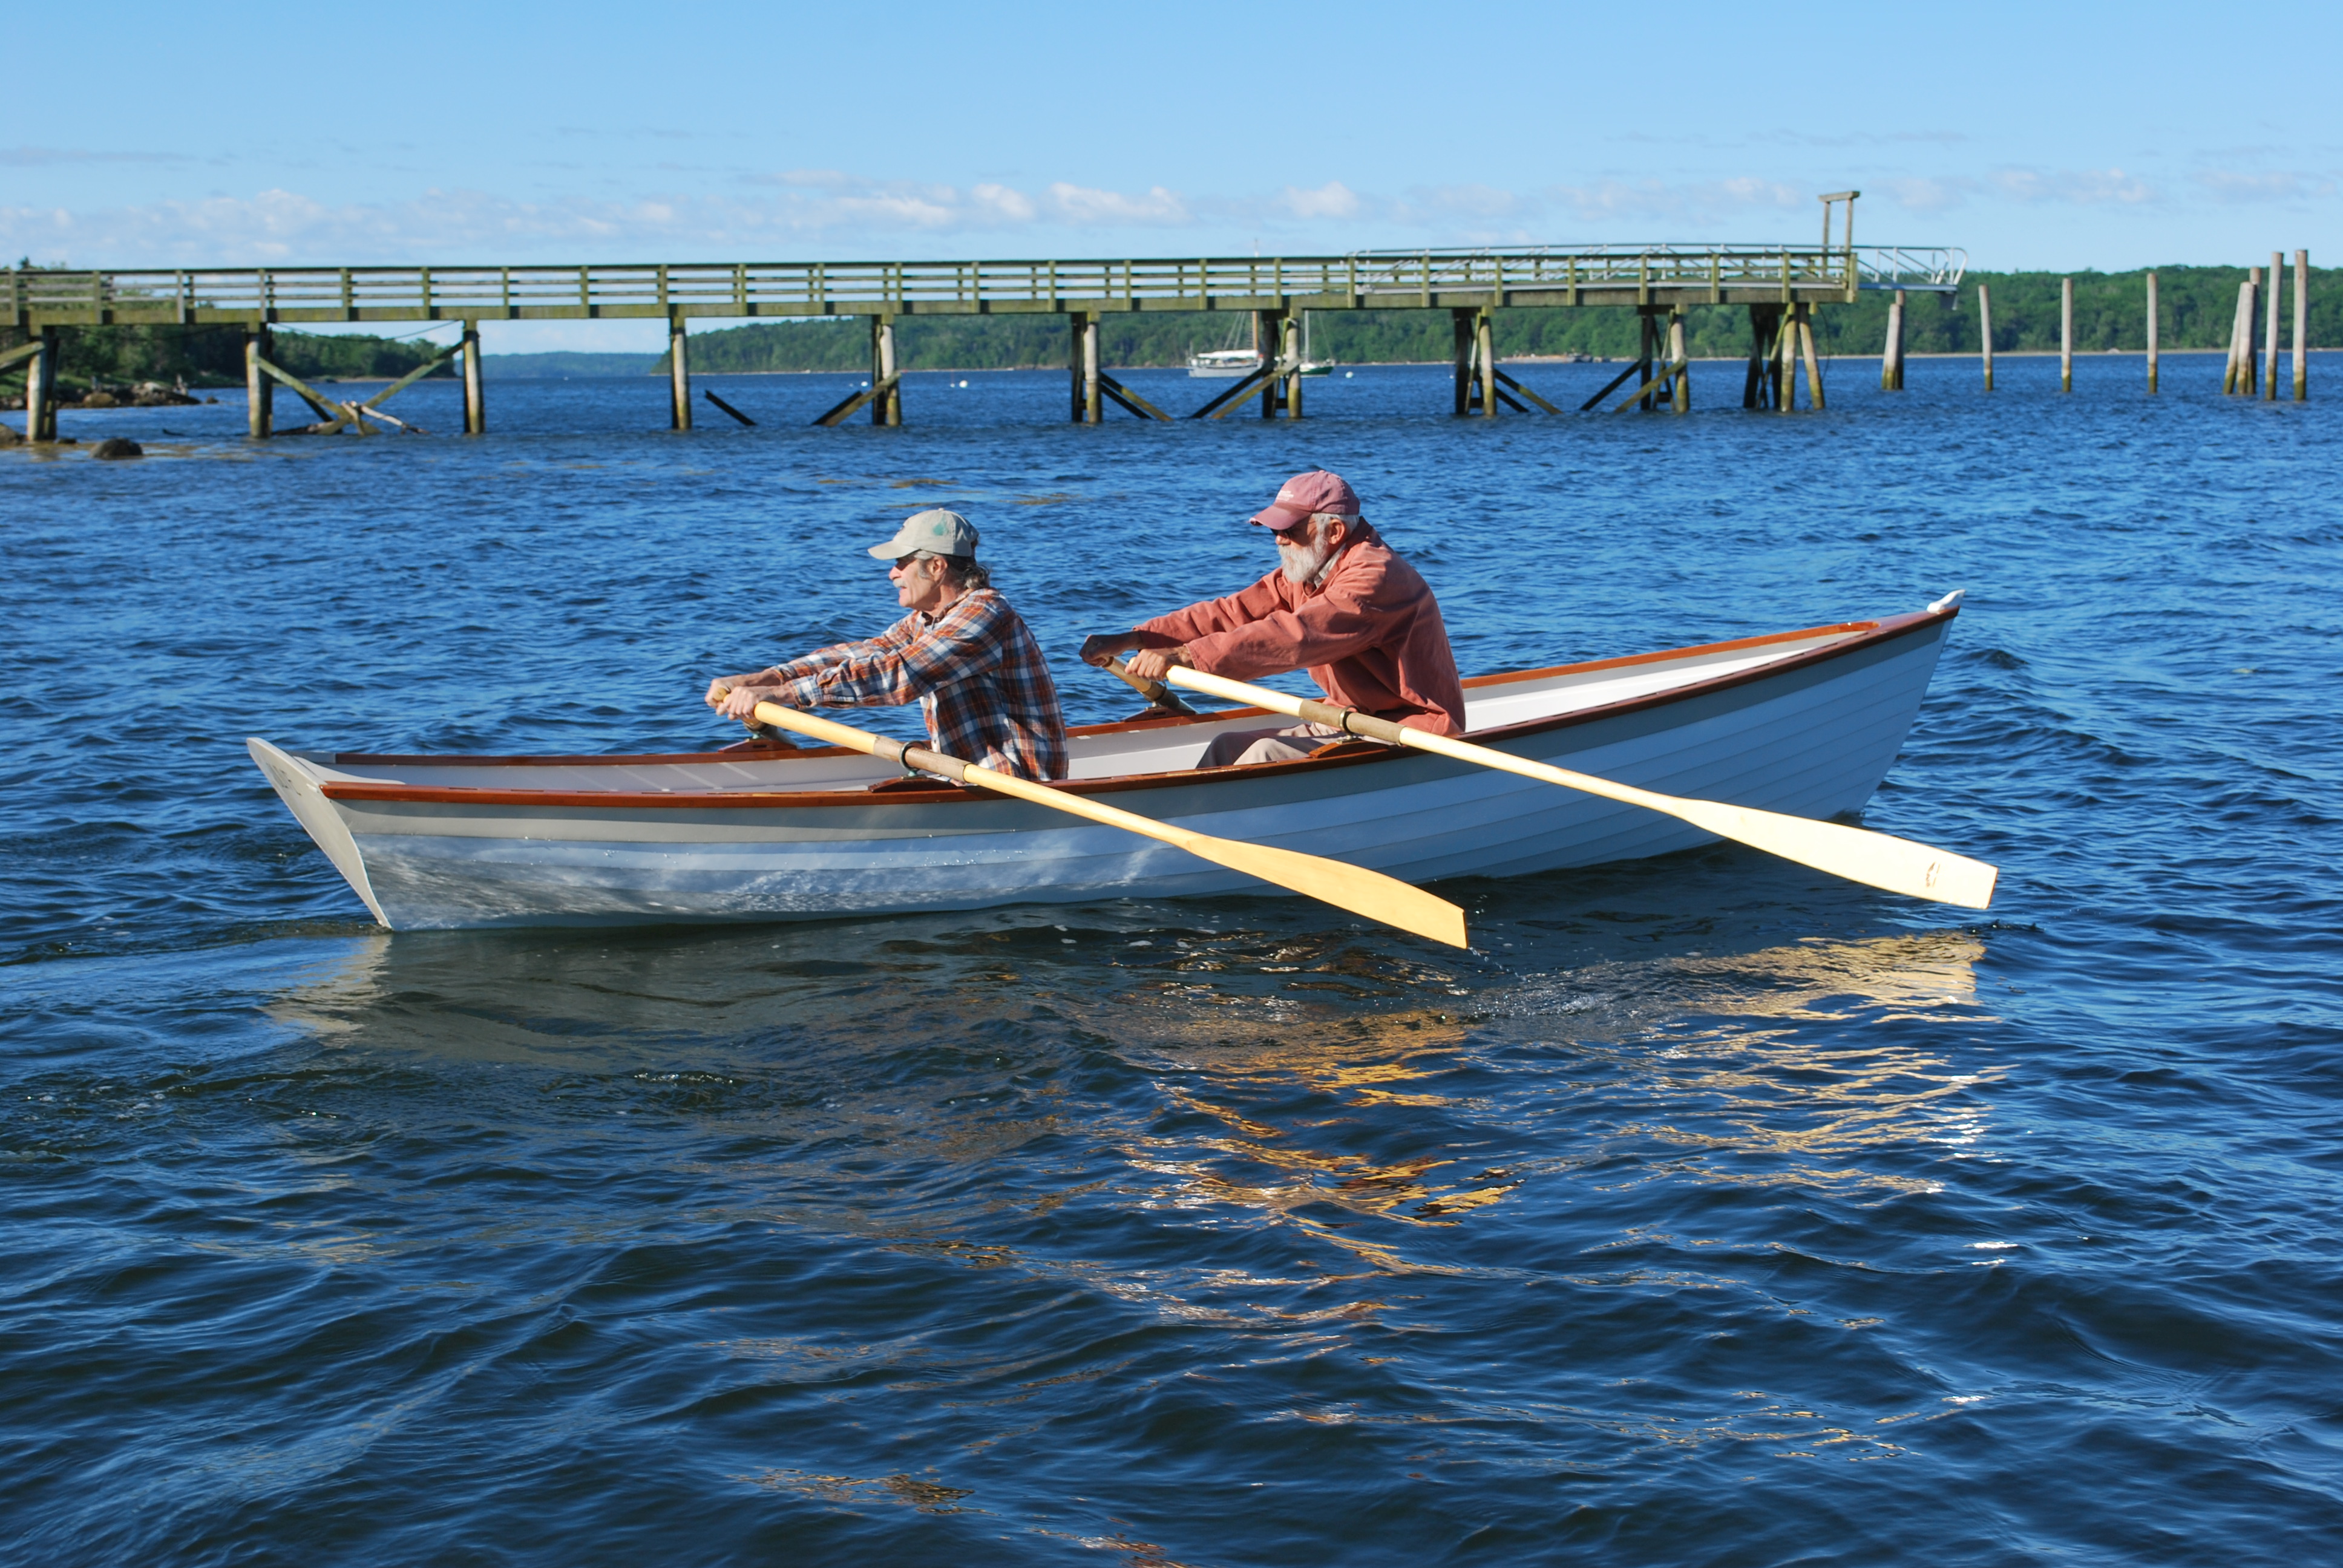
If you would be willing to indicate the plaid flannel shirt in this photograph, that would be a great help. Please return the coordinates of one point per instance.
(975, 670)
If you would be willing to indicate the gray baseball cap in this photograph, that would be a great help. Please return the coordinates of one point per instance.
(942, 532)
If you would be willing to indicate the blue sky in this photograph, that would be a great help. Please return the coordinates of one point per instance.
(2042, 135)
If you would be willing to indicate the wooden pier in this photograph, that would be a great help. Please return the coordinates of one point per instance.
(1780, 285)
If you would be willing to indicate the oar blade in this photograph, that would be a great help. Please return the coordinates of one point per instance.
(1362, 892)
(1858, 854)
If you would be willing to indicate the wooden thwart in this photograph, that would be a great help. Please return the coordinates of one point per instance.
(1353, 889)
(1858, 854)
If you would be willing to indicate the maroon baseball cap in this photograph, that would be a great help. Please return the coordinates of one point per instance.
(1299, 496)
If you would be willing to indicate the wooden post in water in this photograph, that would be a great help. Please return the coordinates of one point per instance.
(2152, 334)
(476, 401)
(1786, 349)
(41, 391)
(1093, 399)
(2237, 321)
(1891, 356)
(2301, 326)
(1268, 332)
(2269, 327)
(259, 404)
(1074, 320)
(1289, 348)
(1805, 320)
(2065, 335)
(2249, 358)
(1985, 332)
(1756, 386)
(679, 375)
(1463, 320)
(886, 407)
(1485, 341)
(1681, 393)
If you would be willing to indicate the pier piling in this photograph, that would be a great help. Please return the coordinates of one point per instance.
(679, 374)
(1985, 332)
(2065, 335)
(1485, 341)
(41, 389)
(2269, 327)
(1680, 390)
(1093, 407)
(1761, 388)
(1804, 314)
(886, 385)
(1290, 350)
(1461, 318)
(1891, 357)
(2152, 334)
(259, 390)
(476, 400)
(2301, 326)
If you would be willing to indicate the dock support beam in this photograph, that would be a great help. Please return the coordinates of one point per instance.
(1485, 341)
(1680, 394)
(1462, 318)
(2153, 334)
(475, 397)
(679, 375)
(886, 388)
(41, 391)
(1804, 316)
(1762, 388)
(1084, 376)
(259, 390)
(2301, 326)
(2269, 327)
(2065, 335)
(1985, 331)
(1268, 341)
(1891, 359)
(1093, 404)
(1288, 348)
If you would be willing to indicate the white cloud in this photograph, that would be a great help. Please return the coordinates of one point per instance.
(1333, 199)
(1083, 206)
(2231, 186)
(2073, 187)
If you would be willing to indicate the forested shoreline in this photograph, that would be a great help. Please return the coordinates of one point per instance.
(2197, 304)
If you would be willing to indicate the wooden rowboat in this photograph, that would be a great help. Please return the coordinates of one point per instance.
(1806, 722)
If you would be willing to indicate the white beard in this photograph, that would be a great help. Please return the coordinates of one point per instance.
(1306, 565)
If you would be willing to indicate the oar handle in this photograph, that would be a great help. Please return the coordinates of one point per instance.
(1155, 691)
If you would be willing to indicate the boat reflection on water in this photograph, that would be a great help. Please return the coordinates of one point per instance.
(1354, 1088)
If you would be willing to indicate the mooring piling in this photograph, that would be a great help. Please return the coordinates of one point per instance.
(41, 389)
(679, 374)
(259, 390)
(1289, 352)
(2301, 326)
(1891, 356)
(475, 397)
(2065, 335)
(1680, 391)
(2270, 328)
(2152, 320)
(1985, 333)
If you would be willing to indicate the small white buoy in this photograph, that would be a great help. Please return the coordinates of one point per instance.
(1346, 375)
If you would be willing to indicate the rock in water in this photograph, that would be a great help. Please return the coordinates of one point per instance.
(95, 399)
(114, 447)
(8, 436)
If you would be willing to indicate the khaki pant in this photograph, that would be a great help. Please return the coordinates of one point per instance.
(1240, 747)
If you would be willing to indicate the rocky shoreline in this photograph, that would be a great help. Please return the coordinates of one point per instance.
(145, 394)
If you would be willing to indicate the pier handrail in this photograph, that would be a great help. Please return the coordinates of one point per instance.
(1671, 272)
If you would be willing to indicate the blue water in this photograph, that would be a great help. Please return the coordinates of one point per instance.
(1708, 1211)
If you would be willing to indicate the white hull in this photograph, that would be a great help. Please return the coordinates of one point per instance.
(1807, 723)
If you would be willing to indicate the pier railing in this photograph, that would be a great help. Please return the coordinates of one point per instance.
(1657, 274)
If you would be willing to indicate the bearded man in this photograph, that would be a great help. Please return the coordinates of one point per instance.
(1341, 603)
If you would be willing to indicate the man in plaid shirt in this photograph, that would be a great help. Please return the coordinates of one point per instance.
(961, 652)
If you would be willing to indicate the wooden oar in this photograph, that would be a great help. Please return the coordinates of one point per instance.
(1858, 854)
(1350, 887)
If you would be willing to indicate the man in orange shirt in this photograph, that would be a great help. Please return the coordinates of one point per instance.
(1341, 603)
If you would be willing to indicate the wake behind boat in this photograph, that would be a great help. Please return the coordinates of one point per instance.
(1806, 722)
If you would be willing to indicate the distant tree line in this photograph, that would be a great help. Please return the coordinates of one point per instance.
(2196, 304)
(213, 355)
